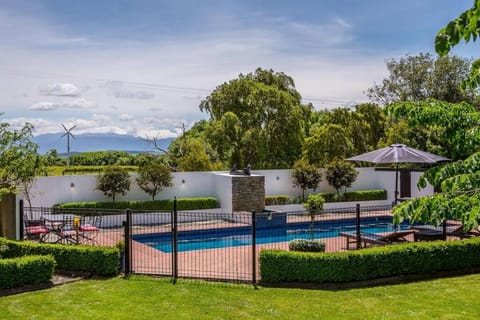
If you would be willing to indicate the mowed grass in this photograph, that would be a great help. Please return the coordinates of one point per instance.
(148, 298)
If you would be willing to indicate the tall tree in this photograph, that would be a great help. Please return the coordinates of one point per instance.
(257, 119)
(327, 143)
(420, 77)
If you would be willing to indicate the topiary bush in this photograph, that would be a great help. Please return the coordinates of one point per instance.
(277, 200)
(360, 195)
(305, 245)
(370, 263)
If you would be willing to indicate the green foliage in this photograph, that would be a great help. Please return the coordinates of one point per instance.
(256, 119)
(359, 195)
(314, 203)
(113, 181)
(102, 261)
(159, 205)
(416, 78)
(17, 272)
(370, 263)
(153, 176)
(19, 162)
(277, 200)
(452, 129)
(463, 28)
(341, 174)
(103, 158)
(306, 176)
(327, 143)
(306, 245)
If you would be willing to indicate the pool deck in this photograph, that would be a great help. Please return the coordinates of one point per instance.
(230, 263)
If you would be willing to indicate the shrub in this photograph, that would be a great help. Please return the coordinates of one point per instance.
(360, 195)
(306, 245)
(277, 200)
(314, 203)
(16, 272)
(370, 263)
(159, 205)
(102, 261)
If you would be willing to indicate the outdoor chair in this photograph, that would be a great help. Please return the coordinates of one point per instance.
(34, 230)
(376, 238)
(429, 232)
(91, 228)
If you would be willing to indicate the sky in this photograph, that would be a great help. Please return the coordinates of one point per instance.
(142, 67)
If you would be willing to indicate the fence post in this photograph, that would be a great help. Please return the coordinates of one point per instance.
(174, 240)
(357, 224)
(21, 222)
(128, 242)
(254, 248)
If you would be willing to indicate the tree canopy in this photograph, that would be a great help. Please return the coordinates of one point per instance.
(19, 162)
(465, 27)
(256, 119)
(416, 78)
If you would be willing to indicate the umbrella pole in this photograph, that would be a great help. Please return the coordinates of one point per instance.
(396, 184)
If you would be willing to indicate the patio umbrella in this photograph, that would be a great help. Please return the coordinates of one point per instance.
(398, 153)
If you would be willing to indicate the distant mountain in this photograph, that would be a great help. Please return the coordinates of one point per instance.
(97, 142)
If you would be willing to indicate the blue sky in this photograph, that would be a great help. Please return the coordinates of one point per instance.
(142, 67)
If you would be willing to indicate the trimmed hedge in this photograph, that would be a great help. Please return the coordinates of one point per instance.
(306, 245)
(277, 200)
(160, 205)
(360, 195)
(370, 263)
(17, 272)
(102, 261)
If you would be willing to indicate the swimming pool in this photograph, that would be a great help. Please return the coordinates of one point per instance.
(240, 236)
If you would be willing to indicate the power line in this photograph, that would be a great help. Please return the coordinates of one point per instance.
(148, 85)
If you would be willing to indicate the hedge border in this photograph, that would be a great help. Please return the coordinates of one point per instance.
(28, 270)
(371, 263)
(94, 260)
(160, 205)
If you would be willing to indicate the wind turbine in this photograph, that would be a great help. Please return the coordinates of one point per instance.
(68, 133)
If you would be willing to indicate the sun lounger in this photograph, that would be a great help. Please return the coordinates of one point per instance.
(376, 238)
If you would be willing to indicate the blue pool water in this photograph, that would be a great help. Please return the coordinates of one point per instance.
(241, 236)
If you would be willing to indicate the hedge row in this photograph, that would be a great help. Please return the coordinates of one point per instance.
(102, 261)
(17, 272)
(94, 169)
(360, 195)
(160, 205)
(278, 200)
(370, 263)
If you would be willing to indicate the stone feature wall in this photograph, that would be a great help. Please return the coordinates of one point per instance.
(248, 193)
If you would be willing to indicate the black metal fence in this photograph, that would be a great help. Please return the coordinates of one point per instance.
(209, 244)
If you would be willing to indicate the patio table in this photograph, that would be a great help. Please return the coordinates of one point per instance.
(62, 226)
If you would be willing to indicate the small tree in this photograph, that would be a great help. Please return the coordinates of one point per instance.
(341, 174)
(314, 206)
(113, 181)
(306, 176)
(153, 176)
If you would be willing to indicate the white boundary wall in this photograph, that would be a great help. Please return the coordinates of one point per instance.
(47, 191)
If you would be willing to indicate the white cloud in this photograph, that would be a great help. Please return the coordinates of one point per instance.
(125, 117)
(119, 90)
(73, 104)
(60, 89)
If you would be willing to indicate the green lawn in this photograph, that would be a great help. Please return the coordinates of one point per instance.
(146, 298)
